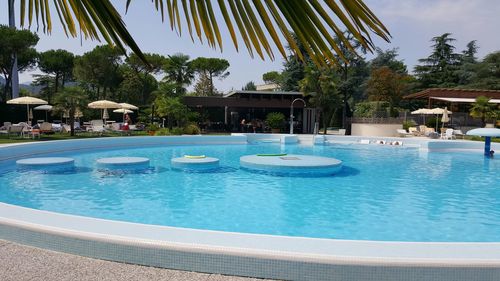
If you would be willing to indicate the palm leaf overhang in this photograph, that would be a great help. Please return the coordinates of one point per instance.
(259, 23)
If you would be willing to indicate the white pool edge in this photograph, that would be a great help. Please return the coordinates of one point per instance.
(263, 256)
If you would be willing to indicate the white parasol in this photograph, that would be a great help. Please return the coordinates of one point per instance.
(46, 108)
(27, 101)
(104, 104)
(128, 106)
(122, 110)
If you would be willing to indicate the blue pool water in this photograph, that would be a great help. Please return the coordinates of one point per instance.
(382, 193)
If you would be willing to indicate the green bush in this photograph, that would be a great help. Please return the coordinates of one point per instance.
(408, 124)
(431, 122)
(163, 132)
(152, 127)
(369, 108)
(177, 131)
(275, 120)
(191, 129)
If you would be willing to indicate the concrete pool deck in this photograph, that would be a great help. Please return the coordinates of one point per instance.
(19, 262)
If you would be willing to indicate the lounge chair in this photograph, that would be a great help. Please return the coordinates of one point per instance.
(414, 131)
(16, 130)
(448, 134)
(96, 126)
(458, 133)
(46, 128)
(403, 133)
(364, 141)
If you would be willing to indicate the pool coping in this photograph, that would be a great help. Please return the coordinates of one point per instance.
(255, 255)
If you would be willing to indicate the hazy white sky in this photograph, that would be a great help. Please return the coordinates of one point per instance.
(412, 24)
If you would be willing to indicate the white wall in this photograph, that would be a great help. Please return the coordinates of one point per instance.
(378, 130)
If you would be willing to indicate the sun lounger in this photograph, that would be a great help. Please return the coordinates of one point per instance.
(403, 133)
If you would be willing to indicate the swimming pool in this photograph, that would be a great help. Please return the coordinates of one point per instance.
(382, 193)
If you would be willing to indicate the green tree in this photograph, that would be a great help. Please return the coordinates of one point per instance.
(142, 81)
(272, 77)
(211, 67)
(70, 99)
(46, 84)
(173, 108)
(294, 67)
(352, 73)
(136, 87)
(387, 85)
(58, 63)
(466, 70)
(310, 20)
(154, 65)
(178, 71)
(388, 59)
(20, 42)
(487, 73)
(99, 71)
(483, 109)
(322, 85)
(250, 86)
(203, 87)
(440, 68)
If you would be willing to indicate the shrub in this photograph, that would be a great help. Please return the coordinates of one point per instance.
(163, 132)
(177, 131)
(191, 129)
(408, 124)
(275, 120)
(152, 127)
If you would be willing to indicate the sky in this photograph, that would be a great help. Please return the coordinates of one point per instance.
(412, 24)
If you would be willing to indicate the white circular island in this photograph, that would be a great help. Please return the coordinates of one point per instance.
(123, 163)
(291, 164)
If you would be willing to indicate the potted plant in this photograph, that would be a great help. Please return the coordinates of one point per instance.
(152, 128)
(275, 120)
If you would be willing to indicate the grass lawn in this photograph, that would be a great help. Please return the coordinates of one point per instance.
(82, 135)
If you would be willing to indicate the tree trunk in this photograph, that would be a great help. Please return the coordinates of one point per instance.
(211, 85)
(14, 70)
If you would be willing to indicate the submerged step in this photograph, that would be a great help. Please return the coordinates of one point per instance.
(123, 163)
(291, 164)
(195, 162)
(46, 163)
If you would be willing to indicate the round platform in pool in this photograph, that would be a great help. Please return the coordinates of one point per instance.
(46, 163)
(123, 163)
(202, 163)
(292, 164)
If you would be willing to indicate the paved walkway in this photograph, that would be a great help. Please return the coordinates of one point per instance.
(19, 263)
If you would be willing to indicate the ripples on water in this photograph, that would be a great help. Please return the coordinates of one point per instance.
(382, 193)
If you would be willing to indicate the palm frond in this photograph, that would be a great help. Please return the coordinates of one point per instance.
(313, 21)
(95, 18)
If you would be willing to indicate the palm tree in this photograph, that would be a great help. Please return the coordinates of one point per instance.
(71, 99)
(310, 20)
(178, 72)
(483, 109)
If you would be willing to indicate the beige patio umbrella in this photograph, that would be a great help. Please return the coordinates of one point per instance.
(422, 111)
(439, 111)
(122, 110)
(45, 108)
(104, 104)
(27, 101)
(128, 106)
(445, 118)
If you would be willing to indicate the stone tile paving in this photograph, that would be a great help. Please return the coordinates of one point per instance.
(19, 263)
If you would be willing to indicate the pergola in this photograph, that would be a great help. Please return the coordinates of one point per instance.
(454, 95)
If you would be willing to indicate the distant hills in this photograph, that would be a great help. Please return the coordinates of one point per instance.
(32, 89)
